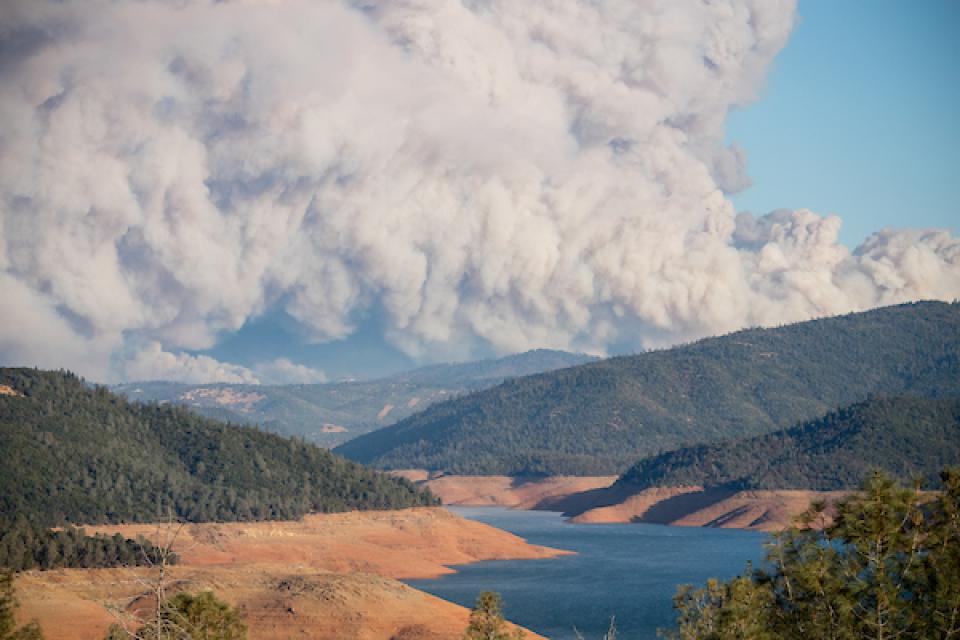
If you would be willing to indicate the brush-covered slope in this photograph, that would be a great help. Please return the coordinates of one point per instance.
(332, 413)
(72, 453)
(908, 437)
(600, 418)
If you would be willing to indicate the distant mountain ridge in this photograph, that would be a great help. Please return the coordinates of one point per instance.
(331, 413)
(908, 437)
(76, 454)
(602, 417)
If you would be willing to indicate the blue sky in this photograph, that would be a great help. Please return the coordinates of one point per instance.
(860, 117)
(365, 354)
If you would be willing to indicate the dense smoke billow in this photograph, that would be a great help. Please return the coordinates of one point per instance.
(486, 174)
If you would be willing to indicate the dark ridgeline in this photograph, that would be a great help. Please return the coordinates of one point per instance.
(602, 417)
(76, 454)
(907, 437)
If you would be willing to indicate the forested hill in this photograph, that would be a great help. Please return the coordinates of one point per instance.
(907, 437)
(602, 417)
(72, 453)
(331, 413)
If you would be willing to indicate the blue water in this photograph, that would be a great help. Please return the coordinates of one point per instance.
(630, 571)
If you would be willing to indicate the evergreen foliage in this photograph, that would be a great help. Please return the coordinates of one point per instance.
(75, 454)
(25, 545)
(888, 567)
(486, 620)
(600, 418)
(189, 616)
(8, 605)
(905, 436)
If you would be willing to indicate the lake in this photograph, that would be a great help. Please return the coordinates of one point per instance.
(625, 570)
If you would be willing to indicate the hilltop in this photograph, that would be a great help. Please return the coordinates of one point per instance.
(905, 436)
(600, 418)
(78, 454)
(332, 413)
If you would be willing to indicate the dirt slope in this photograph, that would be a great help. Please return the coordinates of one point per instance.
(696, 507)
(326, 577)
(506, 491)
(404, 544)
(598, 500)
(274, 605)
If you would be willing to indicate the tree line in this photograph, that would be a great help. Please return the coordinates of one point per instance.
(908, 437)
(80, 454)
(26, 545)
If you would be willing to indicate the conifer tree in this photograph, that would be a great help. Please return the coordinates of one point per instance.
(200, 616)
(486, 620)
(887, 567)
(8, 604)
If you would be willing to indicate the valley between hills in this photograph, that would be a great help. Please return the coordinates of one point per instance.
(744, 431)
(479, 320)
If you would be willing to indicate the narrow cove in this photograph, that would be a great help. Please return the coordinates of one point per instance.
(630, 571)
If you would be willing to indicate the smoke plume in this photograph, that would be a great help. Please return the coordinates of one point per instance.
(487, 174)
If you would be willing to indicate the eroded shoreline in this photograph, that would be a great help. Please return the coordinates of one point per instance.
(597, 499)
(330, 576)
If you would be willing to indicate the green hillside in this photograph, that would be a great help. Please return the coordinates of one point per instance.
(907, 437)
(602, 417)
(332, 413)
(72, 453)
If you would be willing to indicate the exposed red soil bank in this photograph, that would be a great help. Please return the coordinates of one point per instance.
(325, 577)
(597, 500)
(696, 507)
(506, 491)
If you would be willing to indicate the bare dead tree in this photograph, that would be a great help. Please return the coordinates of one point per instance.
(158, 556)
(611, 633)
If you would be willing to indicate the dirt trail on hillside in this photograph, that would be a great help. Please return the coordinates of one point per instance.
(328, 577)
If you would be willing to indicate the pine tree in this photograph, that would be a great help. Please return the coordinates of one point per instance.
(8, 604)
(486, 620)
(189, 616)
(50, 554)
(888, 567)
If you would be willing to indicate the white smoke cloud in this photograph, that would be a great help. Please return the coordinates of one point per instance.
(153, 363)
(491, 174)
(285, 371)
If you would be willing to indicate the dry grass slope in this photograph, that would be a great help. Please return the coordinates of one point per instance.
(328, 577)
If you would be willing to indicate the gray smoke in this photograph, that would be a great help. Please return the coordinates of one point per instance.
(488, 173)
